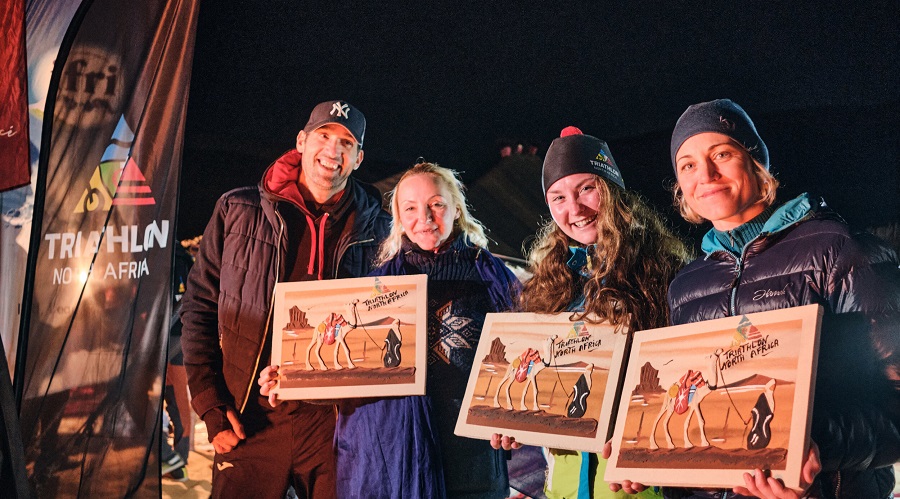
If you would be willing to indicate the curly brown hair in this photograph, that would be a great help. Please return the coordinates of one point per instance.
(635, 258)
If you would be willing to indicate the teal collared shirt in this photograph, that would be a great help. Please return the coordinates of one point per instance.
(786, 215)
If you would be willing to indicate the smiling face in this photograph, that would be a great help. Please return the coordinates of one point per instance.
(427, 211)
(716, 177)
(330, 154)
(574, 202)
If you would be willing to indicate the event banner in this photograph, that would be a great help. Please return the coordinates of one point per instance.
(100, 300)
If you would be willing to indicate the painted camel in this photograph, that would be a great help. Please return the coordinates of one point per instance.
(525, 367)
(333, 329)
(686, 396)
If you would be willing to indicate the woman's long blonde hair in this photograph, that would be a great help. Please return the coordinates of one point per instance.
(635, 258)
(466, 223)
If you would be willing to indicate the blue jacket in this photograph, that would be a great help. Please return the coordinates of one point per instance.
(405, 447)
(503, 287)
(804, 255)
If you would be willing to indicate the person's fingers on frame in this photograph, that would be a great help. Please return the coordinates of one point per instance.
(607, 450)
(263, 376)
(755, 483)
(777, 487)
(813, 465)
(495, 441)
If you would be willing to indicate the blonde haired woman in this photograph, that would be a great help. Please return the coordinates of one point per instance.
(808, 254)
(405, 447)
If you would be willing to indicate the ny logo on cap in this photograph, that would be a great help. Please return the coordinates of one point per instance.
(340, 109)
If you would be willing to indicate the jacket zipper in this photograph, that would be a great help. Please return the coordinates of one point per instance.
(343, 251)
(738, 270)
(271, 306)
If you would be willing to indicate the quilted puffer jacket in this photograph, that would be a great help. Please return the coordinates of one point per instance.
(805, 255)
(226, 310)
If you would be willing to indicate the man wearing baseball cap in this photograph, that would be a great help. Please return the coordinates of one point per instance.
(307, 219)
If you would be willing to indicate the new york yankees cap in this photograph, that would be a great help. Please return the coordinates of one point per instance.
(340, 112)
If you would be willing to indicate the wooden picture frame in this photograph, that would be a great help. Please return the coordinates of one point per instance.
(544, 380)
(748, 379)
(371, 331)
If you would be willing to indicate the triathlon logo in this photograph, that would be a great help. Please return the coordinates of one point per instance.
(382, 296)
(747, 342)
(604, 165)
(578, 329)
(118, 179)
(380, 288)
(745, 332)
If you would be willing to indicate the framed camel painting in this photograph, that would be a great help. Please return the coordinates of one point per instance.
(348, 338)
(704, 403)
(544, 380)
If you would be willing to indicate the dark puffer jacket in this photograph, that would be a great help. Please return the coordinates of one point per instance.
(227, 306)
(807, 255)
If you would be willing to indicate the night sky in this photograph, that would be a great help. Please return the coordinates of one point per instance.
(448, 81)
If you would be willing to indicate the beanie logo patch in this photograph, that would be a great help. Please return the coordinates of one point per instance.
(726, 123)
(606, 169)
(603, 163)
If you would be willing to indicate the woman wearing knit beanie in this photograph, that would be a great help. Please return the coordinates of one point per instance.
(605, 256)
(761, 257)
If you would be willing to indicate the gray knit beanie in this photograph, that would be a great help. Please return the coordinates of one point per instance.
(720, 116)
(573, 152)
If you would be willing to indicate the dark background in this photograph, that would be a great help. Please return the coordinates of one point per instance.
(447, 81)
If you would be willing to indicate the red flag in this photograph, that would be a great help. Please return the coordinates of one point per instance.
(14, 165)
